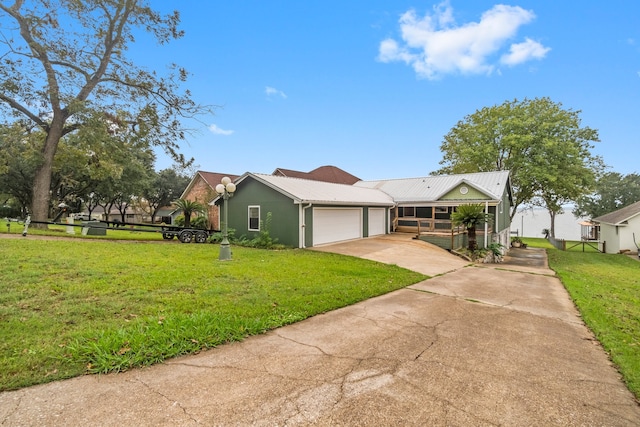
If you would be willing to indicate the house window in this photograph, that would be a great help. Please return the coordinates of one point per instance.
(441, 209)
(409, 211)
(423, 212)
(254, 218)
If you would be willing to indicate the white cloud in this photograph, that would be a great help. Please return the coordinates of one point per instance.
(434, 45)
(523, 52)
(218, 131)
(271, 91)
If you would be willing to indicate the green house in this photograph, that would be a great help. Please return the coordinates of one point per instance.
(305, 213)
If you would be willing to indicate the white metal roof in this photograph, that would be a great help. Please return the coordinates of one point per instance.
(432, 188)
(308, 191)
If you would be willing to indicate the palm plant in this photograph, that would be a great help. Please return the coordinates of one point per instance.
(190, 207)
(470, 216)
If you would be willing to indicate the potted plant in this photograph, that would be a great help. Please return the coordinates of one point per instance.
(516, 242)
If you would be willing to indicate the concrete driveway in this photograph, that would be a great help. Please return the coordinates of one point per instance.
(474, 346)
(399, 249)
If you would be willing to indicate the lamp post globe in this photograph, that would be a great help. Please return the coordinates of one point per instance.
(225, 189)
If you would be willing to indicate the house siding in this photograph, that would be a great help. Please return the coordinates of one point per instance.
(284, 213)
(626, 240)
(609, 235)
(620, 237)
(503, 216)
(471, 195)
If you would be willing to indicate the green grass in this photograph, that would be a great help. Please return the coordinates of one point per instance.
(61, 231)
(606, 290)
(86, 306)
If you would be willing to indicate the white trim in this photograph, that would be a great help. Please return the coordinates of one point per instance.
(249, 217)
(486, 226)
(302, 237)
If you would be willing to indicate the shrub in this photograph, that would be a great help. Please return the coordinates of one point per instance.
(199, 222)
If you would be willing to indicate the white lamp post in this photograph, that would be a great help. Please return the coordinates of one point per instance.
(225, 189)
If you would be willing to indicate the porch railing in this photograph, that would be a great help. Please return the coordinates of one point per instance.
(428, 225)
(440, 232)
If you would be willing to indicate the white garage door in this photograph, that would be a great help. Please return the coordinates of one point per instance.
(334, 225)
(376, 222)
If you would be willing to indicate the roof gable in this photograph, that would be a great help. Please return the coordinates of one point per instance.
(621, 215)
(465, 190)
(210, 178)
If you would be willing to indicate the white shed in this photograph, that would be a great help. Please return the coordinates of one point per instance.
(620, 229)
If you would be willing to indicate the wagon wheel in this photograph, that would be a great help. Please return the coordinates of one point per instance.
(201, 236)
(186, 236)
(168, 236)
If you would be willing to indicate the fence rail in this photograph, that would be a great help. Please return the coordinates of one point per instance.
(561, 244)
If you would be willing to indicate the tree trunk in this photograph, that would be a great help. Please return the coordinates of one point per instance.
(42, 179)
(552, 227)
(473, 245)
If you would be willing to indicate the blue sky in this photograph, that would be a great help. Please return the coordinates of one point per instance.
(372, 87)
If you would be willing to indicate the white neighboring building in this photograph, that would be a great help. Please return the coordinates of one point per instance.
(619, 228)
(529, 222)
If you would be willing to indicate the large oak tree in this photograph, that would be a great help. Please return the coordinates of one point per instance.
(64, 61)
(543, 145)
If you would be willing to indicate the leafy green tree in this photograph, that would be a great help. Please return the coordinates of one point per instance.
(65, 61)
(19, 154)
(163, 189)
(544, 146)
(612, 191)
(470, 216)
(90, 155)
(189, 208)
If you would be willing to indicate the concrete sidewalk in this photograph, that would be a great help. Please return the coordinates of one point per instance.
(476, 346)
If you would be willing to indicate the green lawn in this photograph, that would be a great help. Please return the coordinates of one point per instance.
(606, 290)
(87, 306)
(60, 230)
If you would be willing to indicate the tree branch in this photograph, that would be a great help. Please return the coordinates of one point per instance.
(21, 108)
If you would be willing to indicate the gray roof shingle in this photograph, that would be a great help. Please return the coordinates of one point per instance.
(621, 215)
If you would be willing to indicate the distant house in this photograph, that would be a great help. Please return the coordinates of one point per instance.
(202, 189)
(323, 173)
(424, 205)
(620, 230)
(132, 214)
(167, 214)
(307, 213)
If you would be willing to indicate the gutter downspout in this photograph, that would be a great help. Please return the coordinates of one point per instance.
(390, 228)
(303, 233)
(486, 225)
